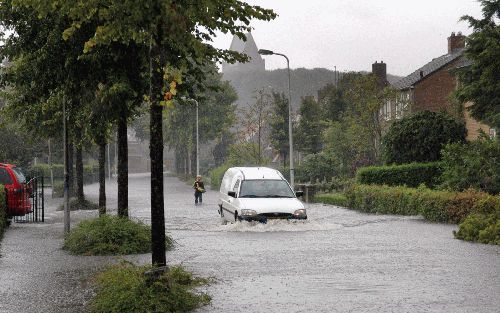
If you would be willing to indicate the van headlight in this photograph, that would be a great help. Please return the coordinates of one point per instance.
(300, 212)
(245, 212)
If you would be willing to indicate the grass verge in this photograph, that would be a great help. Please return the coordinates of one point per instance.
(125, 288)
(110, 235)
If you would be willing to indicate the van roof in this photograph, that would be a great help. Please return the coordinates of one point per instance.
(259, 173)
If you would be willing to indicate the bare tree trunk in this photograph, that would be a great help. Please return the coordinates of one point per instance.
(102, 178)
(158, 257)
(122, 165)
(79, 173)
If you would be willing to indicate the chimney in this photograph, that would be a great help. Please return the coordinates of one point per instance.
(380, 71)
(456, 42)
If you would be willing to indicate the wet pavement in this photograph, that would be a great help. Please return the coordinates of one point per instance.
(336, 261)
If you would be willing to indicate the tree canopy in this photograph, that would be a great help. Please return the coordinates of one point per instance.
(480, 82)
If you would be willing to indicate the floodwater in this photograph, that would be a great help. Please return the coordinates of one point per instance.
(338, 260)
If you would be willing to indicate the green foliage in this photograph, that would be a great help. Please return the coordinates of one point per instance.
(479, 81)
(310, 127)
(109, 235)
(279, 125)
(332, 198)
(125, 288)
(436, 206)
(17, 147)
(410, 175)
(3, 211)
(244, 154)
(480, 228)
(317, 167)
(420, 137)
(473, 164)
(216, 175)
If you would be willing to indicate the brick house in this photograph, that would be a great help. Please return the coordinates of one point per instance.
(430, 87)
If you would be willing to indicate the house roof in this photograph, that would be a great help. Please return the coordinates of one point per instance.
(427, 69)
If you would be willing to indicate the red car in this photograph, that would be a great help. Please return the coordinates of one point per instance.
(18, 191)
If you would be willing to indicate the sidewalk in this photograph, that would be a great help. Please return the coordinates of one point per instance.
(36, 275)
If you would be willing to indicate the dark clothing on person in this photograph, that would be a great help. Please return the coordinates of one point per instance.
(199, 189)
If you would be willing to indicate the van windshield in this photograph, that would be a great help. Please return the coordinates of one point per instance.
(265, 189)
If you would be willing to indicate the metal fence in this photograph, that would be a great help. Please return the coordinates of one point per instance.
(30, 199)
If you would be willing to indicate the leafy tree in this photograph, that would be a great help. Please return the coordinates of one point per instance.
(279, 125)
(178, 34)
(480, 82)
(421, 137)
(309, 128)
(473, 164)
(332, 102)
(255, 120)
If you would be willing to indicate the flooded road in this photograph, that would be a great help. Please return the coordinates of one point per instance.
(336, 261)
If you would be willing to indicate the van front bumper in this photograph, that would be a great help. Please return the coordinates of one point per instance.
(264, 217)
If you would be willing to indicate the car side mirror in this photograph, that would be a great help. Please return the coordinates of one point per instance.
(299, 193)
(231, 194)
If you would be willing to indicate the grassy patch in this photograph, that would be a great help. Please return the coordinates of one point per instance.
(76, 204)
(110, 235)
(338, 199)
(125, 288)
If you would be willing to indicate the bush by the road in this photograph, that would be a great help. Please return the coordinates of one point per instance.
(473, 164)
(420, 137)
(410, 175)
(483, 225)
(331, 198)
(125, 288)
(434, 205)
(216, 175)
(110, 235)
(3, 211)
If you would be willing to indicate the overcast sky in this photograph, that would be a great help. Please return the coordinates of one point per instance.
(352, 34)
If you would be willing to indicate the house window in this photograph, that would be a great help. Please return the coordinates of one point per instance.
(386, 111)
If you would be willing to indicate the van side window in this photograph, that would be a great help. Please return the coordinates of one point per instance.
(236, 185)
(5, 178)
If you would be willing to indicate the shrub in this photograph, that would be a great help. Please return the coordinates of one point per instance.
(216, 176)
(110, 235)
(411, 175)
(331, 198)
(125, 288)
(317, 167)
(472, 165)
(420, 137)
(483, 228)
(437, 206)
(3, 211)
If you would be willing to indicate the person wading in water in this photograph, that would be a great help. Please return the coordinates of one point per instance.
(199, 189)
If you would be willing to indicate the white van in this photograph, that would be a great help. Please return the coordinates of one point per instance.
(258, 194)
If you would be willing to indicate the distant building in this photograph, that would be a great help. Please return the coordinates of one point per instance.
(430, 86)
(248, 47)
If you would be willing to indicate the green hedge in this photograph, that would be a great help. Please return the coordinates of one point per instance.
(437, 206)
(331, 198)
(410, 175)
(3, 211)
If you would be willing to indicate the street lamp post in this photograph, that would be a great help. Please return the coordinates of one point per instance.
(197, 142)
(290, 140)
